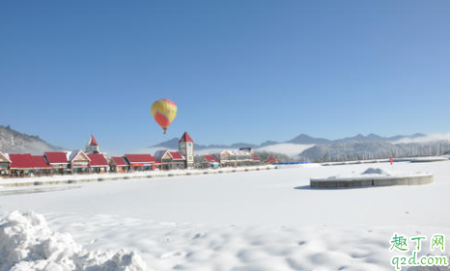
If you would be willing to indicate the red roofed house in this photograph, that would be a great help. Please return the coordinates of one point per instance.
(21, 164)
(99, 163)
(233, 158)
(41, 167)
(208, 161)
(118, 164)
(58, 161)
(79, 162)
(92, 145)
(4, 164)
(186, 147)
(141, 162)
(171, 160)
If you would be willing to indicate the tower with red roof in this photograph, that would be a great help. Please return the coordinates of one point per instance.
(92, 145)
(186, 146)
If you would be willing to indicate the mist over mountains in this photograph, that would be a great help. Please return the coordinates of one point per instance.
(359, 147)
(302, 147)
(301, 139)
(12, 141)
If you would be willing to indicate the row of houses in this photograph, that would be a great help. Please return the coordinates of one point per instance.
(93, 161)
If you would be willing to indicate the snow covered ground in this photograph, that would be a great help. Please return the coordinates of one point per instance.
(264, 220)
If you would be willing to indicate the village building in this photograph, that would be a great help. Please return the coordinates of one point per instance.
(141, 162)
(58, 161)
(256, 160)
(22, 165)
(79, 162)
(98, 163)
(41, 167)
(186, 147)
(118, 164)
(4, 164)
(235, 158)
(208, 161)
(170, 160)
(92, 145)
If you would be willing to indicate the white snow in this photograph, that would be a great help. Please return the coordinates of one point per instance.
(264, 220)
(27, 243)
(374, 173)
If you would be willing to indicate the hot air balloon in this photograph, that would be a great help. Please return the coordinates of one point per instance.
(164, 112)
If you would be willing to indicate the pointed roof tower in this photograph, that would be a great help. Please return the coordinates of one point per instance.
(92, 141)
(186, 138)
(92, 145)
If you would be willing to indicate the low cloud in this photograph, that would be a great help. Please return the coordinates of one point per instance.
(425, 139)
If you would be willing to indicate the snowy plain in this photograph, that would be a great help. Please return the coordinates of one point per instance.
(264, 220)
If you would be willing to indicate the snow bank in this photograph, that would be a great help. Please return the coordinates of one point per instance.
(27, 243)
(375, 173)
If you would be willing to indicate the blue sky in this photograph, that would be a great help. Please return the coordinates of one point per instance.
(239, 71)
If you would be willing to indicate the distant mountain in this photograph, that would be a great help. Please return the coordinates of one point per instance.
(360, 150)
(308, 140)
(376, 138)
(173, 144)
(359, 147)
(301, 139)
(12, 141)
(169, 144)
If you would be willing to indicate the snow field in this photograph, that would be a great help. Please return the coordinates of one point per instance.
(265, 220)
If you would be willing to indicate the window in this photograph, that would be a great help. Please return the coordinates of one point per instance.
(190, 157)
(189, 144)
(182, 145)
(189, 151)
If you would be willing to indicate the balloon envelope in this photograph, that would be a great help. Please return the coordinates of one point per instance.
(164, 112)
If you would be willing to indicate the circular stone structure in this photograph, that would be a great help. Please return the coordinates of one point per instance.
(372, 177)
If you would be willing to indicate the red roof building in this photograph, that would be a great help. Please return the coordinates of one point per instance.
(40, 162)
(92, 145)
(97, 160)
(140, 158)
(186, 147)
(176, 155)
(119, 161)
(92, 141)
(210, 159)
(56, 158)
(21, 161)
(140, 162)
(118, 164)
(186, 138)
(170, 159)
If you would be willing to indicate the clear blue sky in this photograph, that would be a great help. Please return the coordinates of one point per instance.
(239, 71)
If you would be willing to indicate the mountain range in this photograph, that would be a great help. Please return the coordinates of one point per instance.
(12, 141)
(301, 139)
(302, 147)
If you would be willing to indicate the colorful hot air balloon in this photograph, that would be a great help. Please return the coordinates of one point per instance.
(164, 112)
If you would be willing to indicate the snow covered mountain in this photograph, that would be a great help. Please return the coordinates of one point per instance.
(302, 139)
(357, 147)
(12, 141)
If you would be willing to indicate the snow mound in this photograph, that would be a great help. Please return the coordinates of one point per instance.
(377, 171)
(27, 243)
